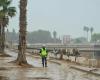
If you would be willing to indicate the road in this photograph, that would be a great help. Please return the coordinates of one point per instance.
(54, 71)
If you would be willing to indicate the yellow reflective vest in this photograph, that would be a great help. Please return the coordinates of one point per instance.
(43, 52)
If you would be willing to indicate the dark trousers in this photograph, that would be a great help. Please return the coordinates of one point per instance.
(44, 61)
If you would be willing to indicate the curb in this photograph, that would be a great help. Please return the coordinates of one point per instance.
(88, 71)
(54, 62)
(80, 69)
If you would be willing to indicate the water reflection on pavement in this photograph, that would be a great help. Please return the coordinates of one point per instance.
(52, 72)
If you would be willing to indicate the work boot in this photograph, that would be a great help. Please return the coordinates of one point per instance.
(46, 65)
(43, 64)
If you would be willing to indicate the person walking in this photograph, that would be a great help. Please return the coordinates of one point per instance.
(44, 54)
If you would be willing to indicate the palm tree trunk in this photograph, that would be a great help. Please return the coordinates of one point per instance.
(87, 36)
(61, 54)
(54, 39)
(3, 39)
(0, 39)
(91, 36)
(21, 59)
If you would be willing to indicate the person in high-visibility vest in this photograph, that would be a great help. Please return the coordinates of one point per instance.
(44, 54)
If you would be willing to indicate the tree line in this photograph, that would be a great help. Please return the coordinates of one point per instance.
(43, 36)
(39, 36)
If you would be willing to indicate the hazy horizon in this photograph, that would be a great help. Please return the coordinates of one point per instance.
(67, 17)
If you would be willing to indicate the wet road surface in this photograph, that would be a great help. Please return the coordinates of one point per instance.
(9, 71)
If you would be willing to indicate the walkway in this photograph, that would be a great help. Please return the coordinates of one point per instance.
(54, 71)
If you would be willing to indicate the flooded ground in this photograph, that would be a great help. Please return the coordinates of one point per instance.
(54, 71)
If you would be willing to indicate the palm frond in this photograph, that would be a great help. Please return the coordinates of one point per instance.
(11, 11)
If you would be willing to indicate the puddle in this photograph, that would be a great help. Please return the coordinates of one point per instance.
(2, 68)
(39, 78)
(4, 78)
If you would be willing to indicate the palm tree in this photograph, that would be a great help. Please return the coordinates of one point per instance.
(55, 36)
(6, 12)
(21, 59)
(91, 31)
(1, 21)
(87, 30)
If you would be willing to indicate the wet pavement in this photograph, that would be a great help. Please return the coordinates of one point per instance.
(54, 71)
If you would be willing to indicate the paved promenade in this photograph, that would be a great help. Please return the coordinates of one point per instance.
(56, 70)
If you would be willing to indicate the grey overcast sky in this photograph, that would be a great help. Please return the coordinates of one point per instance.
(65, 16)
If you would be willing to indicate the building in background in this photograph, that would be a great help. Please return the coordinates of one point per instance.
(66, 39)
